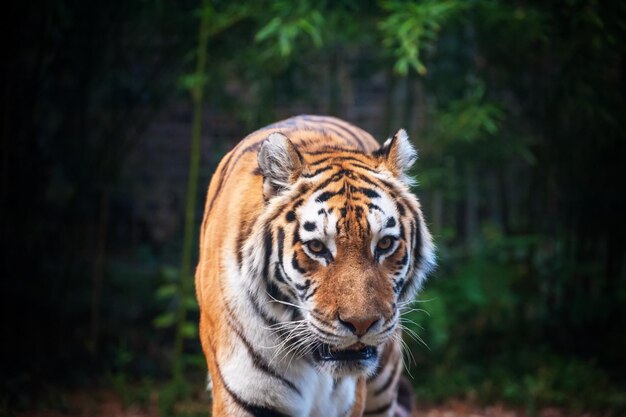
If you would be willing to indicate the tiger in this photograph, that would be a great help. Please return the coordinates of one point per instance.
(311, 246)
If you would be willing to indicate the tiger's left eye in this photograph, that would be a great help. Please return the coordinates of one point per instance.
(316, 247)
(384, 244)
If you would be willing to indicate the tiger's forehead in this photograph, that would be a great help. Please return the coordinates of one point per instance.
(347, 200)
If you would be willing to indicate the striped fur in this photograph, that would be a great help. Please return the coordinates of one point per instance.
(310, 235)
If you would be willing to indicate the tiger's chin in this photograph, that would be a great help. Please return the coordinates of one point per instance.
(355, 360)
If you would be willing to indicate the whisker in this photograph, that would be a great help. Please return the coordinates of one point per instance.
(405, 320)
(405, 303)
(405, 352)
(411, 333)
(419, 310)
(286, 303)
(282, 324)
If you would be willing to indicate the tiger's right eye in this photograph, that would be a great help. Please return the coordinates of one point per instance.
(384, 244)
(316, 247)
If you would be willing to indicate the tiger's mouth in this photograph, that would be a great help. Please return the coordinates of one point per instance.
(355, 352)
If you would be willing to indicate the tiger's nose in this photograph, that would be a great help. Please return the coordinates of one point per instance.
(359, 325)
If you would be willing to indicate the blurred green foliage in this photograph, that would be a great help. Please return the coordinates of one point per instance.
(517, 109)
(412, 28)
(488, 341)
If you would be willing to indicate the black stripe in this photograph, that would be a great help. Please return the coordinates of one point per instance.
(297, 203)
(274, 290)
(280, 240)
(365, 167)
(302, 289)
(412, 235)
(373, 206)
(389, 380)
(280, 269)
(296, 315)
(280, 277)
(305, 286)
(296, 265)
(311, 294)
(303, 188)
(276, 294)
(221, 181)
(250, 148)
(406, 287)
(391, 326)
(398, 285)
(309, 226)
(255, 410)
(379, 410)
(383, 150)
(225, 175)
(333, 159)
(370, 181)
(258, 361)
(333, 178)
(240, 242)
(347, 129)
(417, 245)
(269, 321)
(326, 195)
(405, 258)
(268, 254)
(351, 140)
(334, 149)
(316, 172)
(369, 192)
(392, 187)
(391, 222)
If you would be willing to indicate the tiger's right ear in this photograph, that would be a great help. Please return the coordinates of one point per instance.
(280, 163)
(398, 155)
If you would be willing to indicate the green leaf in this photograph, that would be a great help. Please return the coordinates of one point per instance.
(195, 360)
(166, 291)
(170, 273)
(190, 303)
(164, 320)
(268, 30)
(189, 330)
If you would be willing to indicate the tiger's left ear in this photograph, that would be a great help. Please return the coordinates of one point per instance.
(280, 163)
(398, 155)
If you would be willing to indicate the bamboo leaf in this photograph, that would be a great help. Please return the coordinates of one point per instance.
(164, 320)
(189, 330)
(166, 291)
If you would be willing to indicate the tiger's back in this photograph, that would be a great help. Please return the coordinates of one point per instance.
(278, 337)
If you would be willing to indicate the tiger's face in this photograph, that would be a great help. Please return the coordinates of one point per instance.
(351, 248)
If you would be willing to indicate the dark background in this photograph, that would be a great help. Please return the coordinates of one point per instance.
(518, 110)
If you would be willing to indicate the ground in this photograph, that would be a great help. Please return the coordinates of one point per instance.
(107, 403)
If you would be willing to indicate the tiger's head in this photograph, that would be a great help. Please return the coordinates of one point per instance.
(345, 246)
